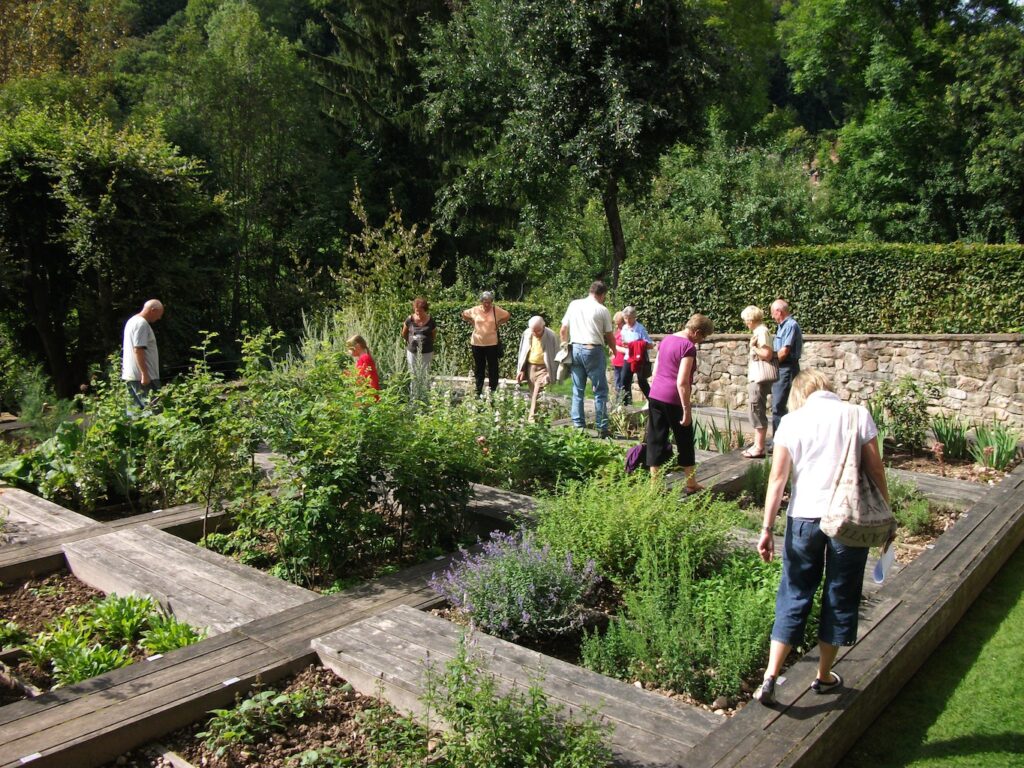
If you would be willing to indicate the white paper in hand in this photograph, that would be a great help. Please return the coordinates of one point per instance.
(884, 563)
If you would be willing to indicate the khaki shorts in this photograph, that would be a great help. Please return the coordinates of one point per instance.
(757, 403)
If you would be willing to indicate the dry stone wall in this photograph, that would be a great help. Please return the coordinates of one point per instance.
(980, 376)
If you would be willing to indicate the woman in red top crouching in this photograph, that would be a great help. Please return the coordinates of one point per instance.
(366, 368)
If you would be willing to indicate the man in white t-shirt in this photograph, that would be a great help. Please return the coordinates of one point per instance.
(587, 325)
(140, 359)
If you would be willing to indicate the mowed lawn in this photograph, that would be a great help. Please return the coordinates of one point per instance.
(965, 707)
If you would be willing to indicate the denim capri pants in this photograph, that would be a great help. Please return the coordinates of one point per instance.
(808, 553)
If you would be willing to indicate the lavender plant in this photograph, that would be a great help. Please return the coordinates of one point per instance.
(515, 588)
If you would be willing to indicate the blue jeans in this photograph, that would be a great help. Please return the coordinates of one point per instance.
(780, 393)
(589, 363)
(809, 552)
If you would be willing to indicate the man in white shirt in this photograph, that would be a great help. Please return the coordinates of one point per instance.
(587, 326)
(140, 359)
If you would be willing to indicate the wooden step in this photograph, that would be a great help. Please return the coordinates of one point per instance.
(31, 517)
(388, 654)
(198, 586)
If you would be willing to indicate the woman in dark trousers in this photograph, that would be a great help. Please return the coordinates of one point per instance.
(486, 317)
(810, 443)
(670, 411)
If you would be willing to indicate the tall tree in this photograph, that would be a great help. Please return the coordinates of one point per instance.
(239, 96)
(531, 92)
(373, 93)
(93, 221)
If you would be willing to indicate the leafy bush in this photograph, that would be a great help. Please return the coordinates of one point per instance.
(362, 480)
(910, 508)
(528, 457)
(91, 639)
(995, 445)
(196, 447)
(905, 405)
(952, 433)
(521, 728)
(516, 589)
(702, 637)
(846, 288)
(256, 716)
(914, 516)
(121, 619)
(607, 518)
(166, 633)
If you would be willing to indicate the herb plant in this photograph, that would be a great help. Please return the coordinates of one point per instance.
(905, 405)
(516, 588)
(605, 519)
(699, 636)
(995, 445)
(952, 433)
(256, 716)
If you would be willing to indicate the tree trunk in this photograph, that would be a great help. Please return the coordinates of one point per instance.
(610, 197)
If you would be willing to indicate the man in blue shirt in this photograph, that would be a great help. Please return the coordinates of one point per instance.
(788, 346)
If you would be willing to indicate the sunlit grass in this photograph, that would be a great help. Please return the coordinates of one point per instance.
(963, 708)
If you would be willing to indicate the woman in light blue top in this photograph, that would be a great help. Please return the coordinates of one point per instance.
(634, 331)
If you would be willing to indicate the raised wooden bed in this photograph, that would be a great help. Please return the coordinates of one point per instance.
(390, 652)
(93, 722)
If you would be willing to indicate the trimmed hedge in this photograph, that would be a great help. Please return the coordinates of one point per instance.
(456, 331)
(848, 288)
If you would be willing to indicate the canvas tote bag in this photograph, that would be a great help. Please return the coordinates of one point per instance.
(857, 514)
(762, 370)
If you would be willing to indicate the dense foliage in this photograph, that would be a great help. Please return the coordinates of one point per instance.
(208, 152)
(197, 446)
(607, 519)
(100, 636)
(865, 288)
(702, 636)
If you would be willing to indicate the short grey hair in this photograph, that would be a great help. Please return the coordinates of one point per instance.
(535, 322)
(629, 312)
(487, 296)
(752, 314)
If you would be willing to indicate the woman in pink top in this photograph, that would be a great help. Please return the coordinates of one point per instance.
(670, 408)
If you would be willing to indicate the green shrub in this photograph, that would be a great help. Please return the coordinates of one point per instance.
(529, 457)
(516, 589)
(910, 508)
(607, 518)
(844, 288)
(521, 728)
(166, 633)
(905, 405)
(952, 433)
(121, 619)
(914, 516)
(995, 445)
(197, 447)
(702, 637)
(256, 716)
